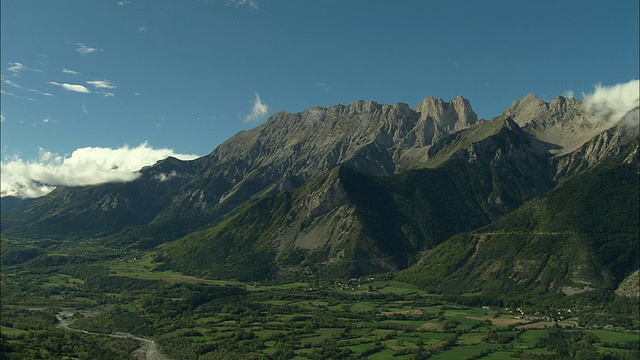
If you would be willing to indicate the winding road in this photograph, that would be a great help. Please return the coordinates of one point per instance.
(147, 350)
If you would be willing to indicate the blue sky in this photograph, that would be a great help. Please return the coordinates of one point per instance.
(187, 74)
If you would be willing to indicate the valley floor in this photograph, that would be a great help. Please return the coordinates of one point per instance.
(137, 310)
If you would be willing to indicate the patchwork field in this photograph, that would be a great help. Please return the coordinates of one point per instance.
(189, 317)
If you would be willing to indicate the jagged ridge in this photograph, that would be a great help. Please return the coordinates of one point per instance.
(294, 196)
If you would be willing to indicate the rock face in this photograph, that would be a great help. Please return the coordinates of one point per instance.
(605, 145)
(562, 122)
(282, 154)
(292, 148)
(630, 287)
(577, 139)
(453, 115)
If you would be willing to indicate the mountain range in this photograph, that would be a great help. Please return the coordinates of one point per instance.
(542, 198)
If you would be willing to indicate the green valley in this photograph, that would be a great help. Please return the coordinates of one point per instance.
(73, 308)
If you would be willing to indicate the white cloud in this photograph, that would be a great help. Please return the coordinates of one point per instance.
(16, 67)
(101, 84)
(107, 94)
(568, 94)
(69, 71)
(85, 166)
(11, 83)
(253, 4)
(259, 111)
(83, 49)
(2, 118)
(164, 177)
(71, 87)
(611, 103)
(41, 92)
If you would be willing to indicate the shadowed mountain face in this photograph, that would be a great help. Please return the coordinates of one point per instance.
(579, 237)
(368, 187)
(8, 203)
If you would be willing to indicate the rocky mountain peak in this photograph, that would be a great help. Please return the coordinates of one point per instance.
(365, 109)
(453, 115)
(532, 109)
(560, 105)
(562, 122)
(510, 124)
(361, 106)
(527, 109)
(463, 107)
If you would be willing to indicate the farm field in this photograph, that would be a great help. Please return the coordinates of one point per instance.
(132, 300)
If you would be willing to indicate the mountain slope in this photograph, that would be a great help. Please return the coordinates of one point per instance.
(561, 122)
(619, 138)
(366, 188)
(277, 156)
(292, 148)
(349, 223)
(100, 209)
(9, 203)
(581, 236)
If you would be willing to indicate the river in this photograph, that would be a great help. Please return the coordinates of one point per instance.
(148, 349)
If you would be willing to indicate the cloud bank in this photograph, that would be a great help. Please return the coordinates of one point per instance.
(612, 103)
(259, 111)
(85, 166)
